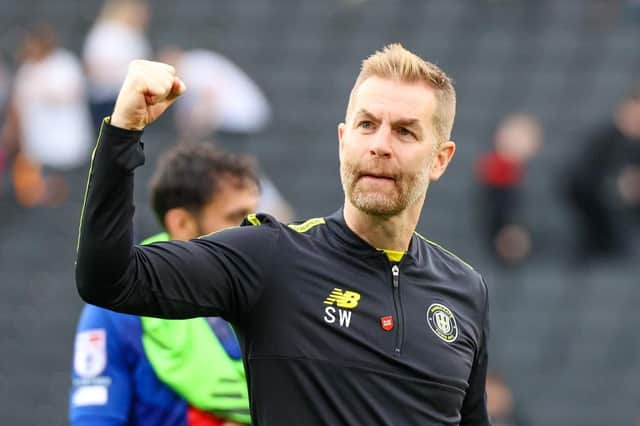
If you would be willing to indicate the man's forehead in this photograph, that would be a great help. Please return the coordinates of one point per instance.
(396, 117)
(403, 100)
(231, 187)
(236, 185)
(232, 198)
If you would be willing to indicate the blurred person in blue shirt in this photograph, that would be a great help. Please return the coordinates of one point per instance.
(131, 370)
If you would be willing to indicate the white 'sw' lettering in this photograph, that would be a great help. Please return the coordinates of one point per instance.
(342, 299)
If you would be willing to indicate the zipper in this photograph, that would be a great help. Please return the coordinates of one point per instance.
(395, 273)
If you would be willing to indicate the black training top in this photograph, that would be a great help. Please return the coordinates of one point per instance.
(333, 331)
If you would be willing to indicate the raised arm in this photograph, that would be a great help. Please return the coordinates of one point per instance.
(221, 274)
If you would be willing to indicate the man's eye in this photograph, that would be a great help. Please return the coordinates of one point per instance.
(365, 124)
(403, 131)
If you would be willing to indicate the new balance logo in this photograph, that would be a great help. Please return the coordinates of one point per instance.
(342, 299)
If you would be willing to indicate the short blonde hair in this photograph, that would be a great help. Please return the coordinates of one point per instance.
(394, 62)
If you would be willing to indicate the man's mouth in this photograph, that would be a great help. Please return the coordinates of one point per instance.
(377, 176)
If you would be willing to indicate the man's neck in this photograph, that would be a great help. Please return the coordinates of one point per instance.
(390, 233)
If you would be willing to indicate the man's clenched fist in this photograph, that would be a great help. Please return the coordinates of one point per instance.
(148, 90)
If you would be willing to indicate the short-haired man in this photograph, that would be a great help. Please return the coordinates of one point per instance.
(131, 370)
(348, 319)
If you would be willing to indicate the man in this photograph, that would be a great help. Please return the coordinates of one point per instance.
(131, 370)
(349, 319)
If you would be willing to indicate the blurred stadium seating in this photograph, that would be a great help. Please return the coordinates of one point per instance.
(564, 336)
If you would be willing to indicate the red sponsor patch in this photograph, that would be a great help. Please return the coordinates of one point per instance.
(387, 323)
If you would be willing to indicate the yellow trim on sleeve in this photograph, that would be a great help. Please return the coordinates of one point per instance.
(216, 231)
(444, 250)
(253, 219)
(86, 188)
(305, 226)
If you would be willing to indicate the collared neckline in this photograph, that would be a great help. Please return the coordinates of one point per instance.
(357, 245)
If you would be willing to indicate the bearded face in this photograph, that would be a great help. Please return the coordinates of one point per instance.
(389, 151)
(378, 190)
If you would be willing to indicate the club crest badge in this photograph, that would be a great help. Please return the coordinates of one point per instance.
(442, 322)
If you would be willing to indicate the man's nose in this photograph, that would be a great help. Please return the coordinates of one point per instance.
(381, 142)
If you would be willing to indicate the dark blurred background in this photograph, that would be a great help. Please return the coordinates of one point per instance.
(564, 340)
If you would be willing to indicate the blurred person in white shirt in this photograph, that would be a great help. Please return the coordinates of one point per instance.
(221, 98)
(52, 130)
(224, 104)
(116, 38)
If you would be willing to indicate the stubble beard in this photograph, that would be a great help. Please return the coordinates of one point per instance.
(408, 190)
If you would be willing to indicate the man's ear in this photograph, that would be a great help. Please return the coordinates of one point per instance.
(442, 159)
(180, 224)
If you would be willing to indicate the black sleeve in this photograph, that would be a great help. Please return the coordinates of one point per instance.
(222, 274)
(474, 406)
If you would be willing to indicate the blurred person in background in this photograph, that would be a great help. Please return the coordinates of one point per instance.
(131, 370)
(501, 173)
(225, 105)
(222, 102)
(115, 39)
(47, 129)
(604, 183)
(500, 402)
